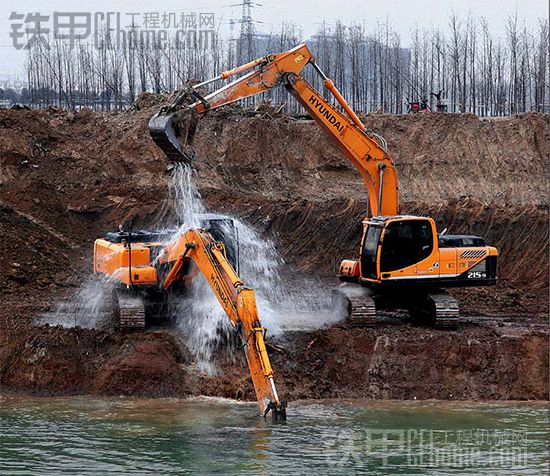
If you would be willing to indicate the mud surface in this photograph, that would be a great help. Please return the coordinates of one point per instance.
(485, 361)
(67, 178)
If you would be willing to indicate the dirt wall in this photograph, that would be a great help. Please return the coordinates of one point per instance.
(399, 362)
(67, 178)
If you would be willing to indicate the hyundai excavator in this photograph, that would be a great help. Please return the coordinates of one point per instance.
(403, 263)
(147, 269)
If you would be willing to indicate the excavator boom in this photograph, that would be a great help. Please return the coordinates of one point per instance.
(366, 150)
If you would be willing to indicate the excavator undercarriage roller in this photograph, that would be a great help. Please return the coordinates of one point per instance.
(357, 304)
(446, 313)
(438, 309)
(361, 311)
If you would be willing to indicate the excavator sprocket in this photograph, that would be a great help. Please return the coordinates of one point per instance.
(129, 311)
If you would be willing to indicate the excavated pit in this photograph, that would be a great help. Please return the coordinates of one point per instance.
(67, 178)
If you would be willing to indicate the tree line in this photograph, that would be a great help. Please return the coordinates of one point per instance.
(477, 71)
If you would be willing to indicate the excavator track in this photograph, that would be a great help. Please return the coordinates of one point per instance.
(129, 311)
(446, 311)
(357, 303)
(362, 311)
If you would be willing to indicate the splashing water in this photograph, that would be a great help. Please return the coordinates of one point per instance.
(202, 324)
(296, 304)
(282, 305)
(89, 308)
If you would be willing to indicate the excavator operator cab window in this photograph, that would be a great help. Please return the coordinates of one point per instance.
(369, 252)
(405, 243)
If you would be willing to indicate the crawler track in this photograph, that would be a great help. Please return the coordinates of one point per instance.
(129, 311)
(445, 313)
(362, 311)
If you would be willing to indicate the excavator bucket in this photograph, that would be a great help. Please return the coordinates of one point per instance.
(173, 133)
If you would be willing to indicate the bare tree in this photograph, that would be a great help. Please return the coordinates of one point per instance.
(473, 68)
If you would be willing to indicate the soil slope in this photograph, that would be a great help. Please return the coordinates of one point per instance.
(67, 178)
(482, 361)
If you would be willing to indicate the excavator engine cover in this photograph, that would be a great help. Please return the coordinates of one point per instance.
(137, 236)
(460, 241)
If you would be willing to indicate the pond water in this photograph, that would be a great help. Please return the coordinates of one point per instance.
(82, 435)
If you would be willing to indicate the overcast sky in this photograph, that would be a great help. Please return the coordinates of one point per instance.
(308, 14)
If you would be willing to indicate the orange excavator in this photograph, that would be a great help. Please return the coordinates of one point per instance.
(403, 262)
(147, 269)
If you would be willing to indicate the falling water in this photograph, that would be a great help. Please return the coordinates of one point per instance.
(184, 205)
(282, 304)
(88, 308)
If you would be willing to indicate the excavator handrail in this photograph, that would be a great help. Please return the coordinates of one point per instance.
(238, 302)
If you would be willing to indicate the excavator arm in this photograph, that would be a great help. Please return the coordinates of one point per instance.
(238, 302)
(365, 149)
(359, 146)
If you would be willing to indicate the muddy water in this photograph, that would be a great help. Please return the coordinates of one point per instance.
(80, 435)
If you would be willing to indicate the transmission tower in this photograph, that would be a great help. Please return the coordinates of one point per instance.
(246, 40)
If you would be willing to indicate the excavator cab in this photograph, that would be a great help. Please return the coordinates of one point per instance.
(405, 250)
(395, 246)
